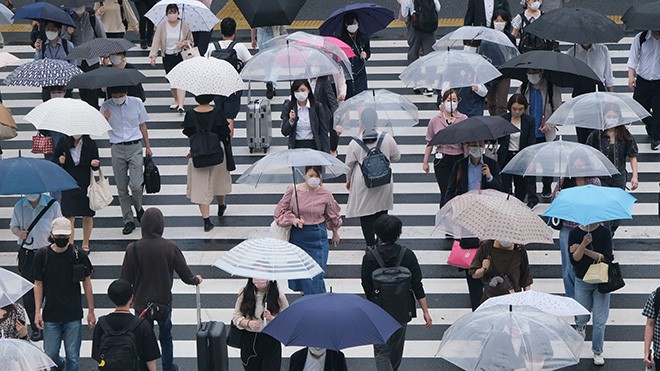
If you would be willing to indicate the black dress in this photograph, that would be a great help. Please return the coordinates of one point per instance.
(75, 201)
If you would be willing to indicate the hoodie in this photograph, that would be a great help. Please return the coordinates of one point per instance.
(151, 271)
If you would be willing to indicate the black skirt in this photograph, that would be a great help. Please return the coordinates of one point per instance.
(171, 60)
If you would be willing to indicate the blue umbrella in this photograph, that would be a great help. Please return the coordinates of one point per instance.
(21, 175)
(591, 204)
(45, 12)
(332, 321)
(372, 18)
(43, 72)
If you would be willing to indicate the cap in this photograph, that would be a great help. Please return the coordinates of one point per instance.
(60, 226)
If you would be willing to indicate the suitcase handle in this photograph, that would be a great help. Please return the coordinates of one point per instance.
(199, 307)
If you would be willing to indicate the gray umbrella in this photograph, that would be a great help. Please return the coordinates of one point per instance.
(642, 17)
(43, 72)
(100, 48)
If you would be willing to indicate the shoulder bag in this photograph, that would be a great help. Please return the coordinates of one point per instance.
(235, 336)
(98, 192)
(614, 279)
(460, 257)
(7, 124)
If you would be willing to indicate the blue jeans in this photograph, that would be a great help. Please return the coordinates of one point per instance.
(599, 305)
(567, 271)
(71, 334)
(166, 345)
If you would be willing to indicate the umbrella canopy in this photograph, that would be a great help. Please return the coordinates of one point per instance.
(193, 12)
(510, 338)
(340, 321)
(68, 116)
(260, 13)
(12, 287)
(287, 62)
(560, 159)
(43, 11)
(100, 47)
(20, 175)
(559, 68)
(495, 45)
(393, 111)
(6, 117)
(6, 15)
(42, 72)
(560, 306)
(576, 25)
(642, 17)
(591, 204)
(21, 355)
(106, 77)
(202, 75)
(474, 129)
(268, 258)
(8, 59)
(372, 18)
(588, 111)
(448, 69)
(70, 4)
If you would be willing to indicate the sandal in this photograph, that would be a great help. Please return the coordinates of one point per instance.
(86, 249)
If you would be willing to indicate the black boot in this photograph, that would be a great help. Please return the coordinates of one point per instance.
(207, 224)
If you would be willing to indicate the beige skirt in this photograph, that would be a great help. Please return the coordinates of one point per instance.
(205, 183)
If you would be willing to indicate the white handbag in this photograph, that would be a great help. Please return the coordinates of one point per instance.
(189, 52)
(280, 233)
(99, 192)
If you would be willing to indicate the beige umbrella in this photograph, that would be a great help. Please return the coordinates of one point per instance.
(8, 59)
(7, 123)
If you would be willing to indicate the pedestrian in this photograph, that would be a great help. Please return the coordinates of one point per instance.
(202, 38)
(303, 119)
(496, 98)
(532, 11)
(120, 293)
(317, 359)
(651, 332)
(117, 17)
(209, 182)
(644, 79)
(171, 38)
(388, 228)
(589, 244)
(79, 156)
(30, 223)
(421, 17)
(149, 265)
(258, 303)
(146, 27)
(446, 155)
(505, 259)
(359, 42)
(310, 212)
(128, 122)
(13, 319)
(58, 270)
(54, 47)
(118, 60)
(54, 92)
(259, 37)
(369, 203)
(472, 99)
(482, 12)
(326, 95)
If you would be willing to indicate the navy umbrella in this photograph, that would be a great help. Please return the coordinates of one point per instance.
(71, 4)
(642, 17)
(43, 11)
(21, 175)
(576, 25)
(42, 72)
(474, 129)
(260, 13)
(372, 18)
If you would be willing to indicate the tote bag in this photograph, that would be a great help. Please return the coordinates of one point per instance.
(42, 144)
(280, 233)
(460, 257)
(98, 192)
(615, 279)
(597, 273)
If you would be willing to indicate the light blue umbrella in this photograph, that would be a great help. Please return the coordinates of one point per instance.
(591, 204)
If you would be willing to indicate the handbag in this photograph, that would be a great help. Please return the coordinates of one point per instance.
(189, 52)
(7, 124)
(278, 232)
(597, 273)
(615, 279)
(98, 192)
(42, 144)
(460, 257)
(235, 336)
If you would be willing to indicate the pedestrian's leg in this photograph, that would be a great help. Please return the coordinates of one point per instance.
(655, 111)
(413, 43)
(476, 290)
(426, 43)
(272, 353)
(120, 169)
(202, 39)
(644, 95)
(382, 355)
(398, 340)
(567, 272)
(72, 220)
(72, 335)
(583, 134)
(501, 93)
(88, 224)
(26, 269)
(583, 296)
(53, 333)
(506, 182)
(601, 311)
(520, 187)
(136, 174)
(166, 345)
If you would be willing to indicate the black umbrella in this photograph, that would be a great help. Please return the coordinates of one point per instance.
(260, 13)
(100, 48)
(642, 17)
(559, 68)
(474, 129)
(70, 4)
(106, 77)
(576, 25)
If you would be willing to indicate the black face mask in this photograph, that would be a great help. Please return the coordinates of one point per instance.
(61, 242)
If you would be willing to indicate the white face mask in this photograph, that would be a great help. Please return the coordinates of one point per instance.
(471, 49)
(58, 94)
(172, 17)
(301, 96)
(535, 5)
(352, 28)
(33, 196)
(317, 351)
(259, 283)
(450, 106)
(534, 78)
(476, 152)
(119, 100)
(611, 121)
(499, 25)
(313, 182)
(506, 244)
(116, 59)
(80, 10)
(52, 35)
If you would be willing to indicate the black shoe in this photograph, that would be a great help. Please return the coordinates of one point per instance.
(207, 225)
(532, 203)
(143, 44)
(37, 335)
(419, 91)
(270, 90)
(221, 209)
(546, 195)
(139, 215)
(655, 144)
(128, 228)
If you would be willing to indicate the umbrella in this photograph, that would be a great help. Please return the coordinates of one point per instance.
(70, 4)
(591, 204)
(576, 25)
(106, 77)
(42, 72)
(100, 47)
(68, 116)
(8, 59)
(560, 69)
(560, 159)
(373, 18)
(511, 338)
(20, 175)
(495, 45)
(588, 110)
(474, 129)
(449, 68)
(497, 218)
(291, 61)
(22, 355)
(6, 15)
(260, 13)
(340, 321)
(12, 287)
(393, 110)
(268, 258)
(43, 11)
(202, 75)
(193, 12)
(642, 17)
(560, 306)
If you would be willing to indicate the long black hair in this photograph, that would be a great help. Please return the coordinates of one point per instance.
(249, 302)
(295, 86)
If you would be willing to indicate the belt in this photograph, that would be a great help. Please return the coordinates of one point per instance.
(127, 143)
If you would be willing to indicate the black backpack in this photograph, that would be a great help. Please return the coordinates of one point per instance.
(425, 18)
(205, 144)
(532, 42)
(392, 286)
(151, 176)
(118, 349)
(229, 54)
(375, 166)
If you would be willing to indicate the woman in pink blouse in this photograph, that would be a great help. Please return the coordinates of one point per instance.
(310, 215)
(445, 154)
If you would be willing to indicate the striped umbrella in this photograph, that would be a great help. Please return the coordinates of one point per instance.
(42, 72)
(268, 258)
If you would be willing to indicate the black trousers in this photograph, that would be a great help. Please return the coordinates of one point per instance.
(260, 352)
(442, 170)
(146, 26)
(647, 93)
(115, 35)
(476, 289)
(202, 40)
(367, 224)
(26, 269)
(519, 183)
(91, 96)
(531, 182)
(334, 140)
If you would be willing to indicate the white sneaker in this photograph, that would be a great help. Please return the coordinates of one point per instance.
(598, 359)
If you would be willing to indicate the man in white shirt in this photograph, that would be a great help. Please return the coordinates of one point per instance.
(644, 79)
(421, 26)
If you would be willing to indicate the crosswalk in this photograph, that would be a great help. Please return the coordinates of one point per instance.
(416, 202)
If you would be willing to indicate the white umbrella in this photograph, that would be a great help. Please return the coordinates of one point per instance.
(8, 59)
(12, 287)
(268, 258)
(21, 355)
(560, 306)
(201, 75)
(68, 116)
(193, 12)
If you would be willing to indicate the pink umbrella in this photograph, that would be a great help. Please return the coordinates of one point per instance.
(342, 45)
(7, 59)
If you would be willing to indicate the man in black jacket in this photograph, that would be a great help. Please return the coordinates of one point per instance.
(474, 172)
(317, 359)
(480, 12)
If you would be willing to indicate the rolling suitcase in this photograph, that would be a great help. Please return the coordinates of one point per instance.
(259, 125)
(211, 343)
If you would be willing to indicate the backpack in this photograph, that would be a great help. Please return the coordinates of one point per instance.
(205, 144)
(642, 38)
(425, 18)
(392, 286)
(151, 176)
(375, 166)
(532, 42)
(118, 349)
(229, 54)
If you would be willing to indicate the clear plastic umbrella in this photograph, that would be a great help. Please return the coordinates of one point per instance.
(12, 287)
(560, 159)
(449, 69)
(588, 111)
(22, 355)
(394, 111)
(68, 116)
(287, 62)
(504, 337)
(495, 45)
(202, 75)
(560, 306)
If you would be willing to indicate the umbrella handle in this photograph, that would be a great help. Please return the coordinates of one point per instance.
(199, 307)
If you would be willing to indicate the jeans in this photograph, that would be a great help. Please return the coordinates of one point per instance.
(166, 344)
(567, 271)
(71, 334)
(599, 305)
(388, 356)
